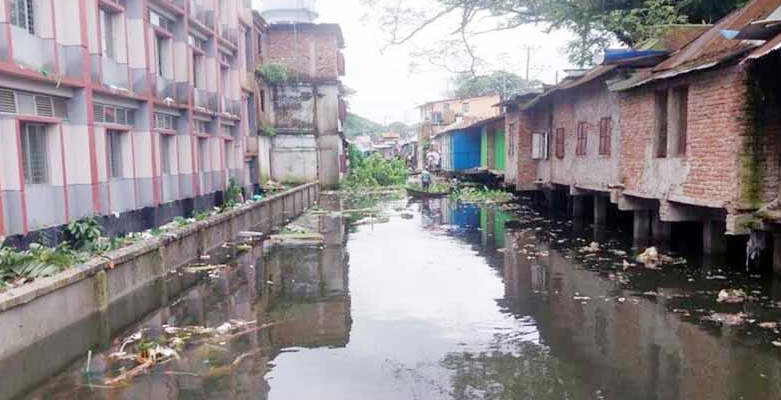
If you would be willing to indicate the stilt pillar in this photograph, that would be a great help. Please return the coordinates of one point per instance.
(600, 210)
(713, 239)
(642, 226)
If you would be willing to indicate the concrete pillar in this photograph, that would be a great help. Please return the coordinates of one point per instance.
(577, 207)
(662, 231)
(713, 239)
(642, 226)
(600, 210)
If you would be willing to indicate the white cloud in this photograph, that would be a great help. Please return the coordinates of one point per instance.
(386, 89)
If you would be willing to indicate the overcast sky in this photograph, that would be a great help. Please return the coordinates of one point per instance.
(388, 89)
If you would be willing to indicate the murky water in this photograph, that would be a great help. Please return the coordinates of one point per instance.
(455, 302)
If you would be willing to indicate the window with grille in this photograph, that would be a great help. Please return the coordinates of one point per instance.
(660, 141)
(197, 70)
(201, 126)
(162, 56)
(164, 121)
(114, 139)
(582, 139)
(228, 130)
(161, 21)
(511, 140)
(560, 133)
(202, 160)
(605, 136)
(35, 154)
(165, 153)
(465, 108)
(227, 155)
(22, 14)
(107, 32)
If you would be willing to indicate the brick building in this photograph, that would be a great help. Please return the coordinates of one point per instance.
(692, 137)
(132, 108)
(309, 109)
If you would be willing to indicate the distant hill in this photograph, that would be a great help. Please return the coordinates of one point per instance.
(356, 125)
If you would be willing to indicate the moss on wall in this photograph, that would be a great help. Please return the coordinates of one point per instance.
(760, 115)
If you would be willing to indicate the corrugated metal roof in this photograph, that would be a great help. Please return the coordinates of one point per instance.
(711, 48)
(468, 123)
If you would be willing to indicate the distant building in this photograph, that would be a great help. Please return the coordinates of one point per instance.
(308, 108)
(437, 115)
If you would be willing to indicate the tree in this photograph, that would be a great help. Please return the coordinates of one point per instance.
(595, 23)
(506, 84)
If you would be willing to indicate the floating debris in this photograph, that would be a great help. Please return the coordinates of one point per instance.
(768, 325)
(728, 319)
(592, 248)
(731, 296)
(195, 269)
(652, 259)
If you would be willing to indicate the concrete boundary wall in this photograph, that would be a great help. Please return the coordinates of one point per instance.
(43, 308)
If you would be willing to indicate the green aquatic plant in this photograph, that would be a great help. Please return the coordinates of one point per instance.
(481, 195)
(374, 171)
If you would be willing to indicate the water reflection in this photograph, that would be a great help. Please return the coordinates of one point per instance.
(458, 302)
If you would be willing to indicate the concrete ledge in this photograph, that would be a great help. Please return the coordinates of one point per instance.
(46, 306)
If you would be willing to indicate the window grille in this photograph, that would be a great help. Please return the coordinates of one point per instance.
(605, 136)
(115, 154)
(35, 154)
(582, 139)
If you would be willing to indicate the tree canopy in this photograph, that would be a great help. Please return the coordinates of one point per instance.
(595, 23)
(506, 84)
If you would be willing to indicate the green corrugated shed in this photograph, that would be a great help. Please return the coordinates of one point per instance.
(484, 147)
(499, 150)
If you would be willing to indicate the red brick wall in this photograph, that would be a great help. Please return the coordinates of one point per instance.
(312, 53)
(708, 174)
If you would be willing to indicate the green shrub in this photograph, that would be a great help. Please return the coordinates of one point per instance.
(272, 73)
(374, 171)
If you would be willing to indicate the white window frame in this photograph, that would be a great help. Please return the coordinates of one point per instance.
(203, 145)
(107, 37)
(162, 55)
(165, 154)
(34, 156)
(115, 153)
(23, 14)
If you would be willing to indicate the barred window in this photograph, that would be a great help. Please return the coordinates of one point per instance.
(560, 133)
(605, 136)
(202, 154)
(165, 153)
(164, 121)
(511, 140)
(114, 139)
(107, 32)
(35, 154)
(22, 14)
(582, 139)
(201, 126)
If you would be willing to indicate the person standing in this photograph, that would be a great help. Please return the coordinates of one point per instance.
(426, 179)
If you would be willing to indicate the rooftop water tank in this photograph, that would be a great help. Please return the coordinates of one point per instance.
(288, 11)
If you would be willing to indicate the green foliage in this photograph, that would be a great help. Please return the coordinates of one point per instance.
(355, 125)
(374, 171)
(470, 194)
(596, 24)
(506, 84)
(83, 234)
(234, 195)
(37, 262)
(272, 73)
(266, 130)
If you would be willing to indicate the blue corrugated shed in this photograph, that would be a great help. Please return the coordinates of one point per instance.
(466, 149)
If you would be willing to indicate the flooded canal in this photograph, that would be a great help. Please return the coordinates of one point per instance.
(448, 301)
